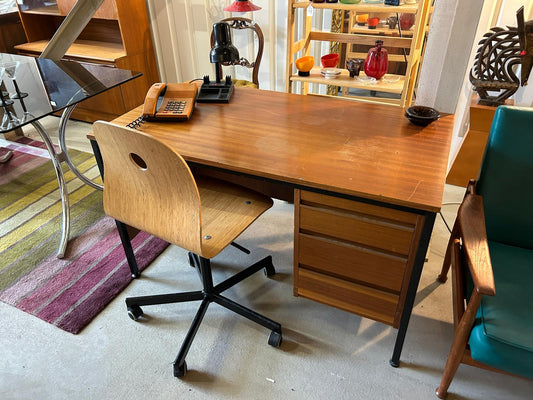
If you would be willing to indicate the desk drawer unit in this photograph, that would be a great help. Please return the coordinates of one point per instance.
(353, 255)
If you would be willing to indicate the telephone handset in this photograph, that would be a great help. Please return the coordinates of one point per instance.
(170, 102)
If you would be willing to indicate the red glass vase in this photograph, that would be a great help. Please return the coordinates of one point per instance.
(377, 61)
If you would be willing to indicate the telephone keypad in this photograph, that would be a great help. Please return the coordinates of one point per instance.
(175, 106)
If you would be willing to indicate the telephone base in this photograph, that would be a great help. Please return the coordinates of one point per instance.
(213, 92)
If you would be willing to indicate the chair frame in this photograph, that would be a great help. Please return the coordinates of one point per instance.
(153, 170)
(467, 250)
(240, 23)
(207, 295)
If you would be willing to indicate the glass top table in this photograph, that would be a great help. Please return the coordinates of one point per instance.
(32, 88)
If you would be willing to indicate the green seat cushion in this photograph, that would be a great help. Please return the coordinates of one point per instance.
(502, 336)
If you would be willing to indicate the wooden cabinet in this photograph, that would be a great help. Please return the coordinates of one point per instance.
(354, 255)
(468, 159)
(11, 32)
(355, 42)
(117, 36)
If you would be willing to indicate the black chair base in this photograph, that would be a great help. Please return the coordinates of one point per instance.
(208, 295)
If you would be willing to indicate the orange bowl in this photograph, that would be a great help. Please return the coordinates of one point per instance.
(361, 18)
(305, 64)
(330, 60)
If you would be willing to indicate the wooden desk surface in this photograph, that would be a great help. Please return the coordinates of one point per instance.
(366, 150)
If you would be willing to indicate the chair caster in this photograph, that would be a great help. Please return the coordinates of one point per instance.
(180, 371)
(274, 339)
(134, 312)
(135, 276)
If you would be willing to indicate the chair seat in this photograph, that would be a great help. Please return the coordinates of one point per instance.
(227, 210)
(244, 83)
(502, 336)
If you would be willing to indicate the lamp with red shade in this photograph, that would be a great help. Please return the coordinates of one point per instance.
(242, 6)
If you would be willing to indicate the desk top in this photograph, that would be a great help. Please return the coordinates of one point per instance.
(49, 86)
(365, 150)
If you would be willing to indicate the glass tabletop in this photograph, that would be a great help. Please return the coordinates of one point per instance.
(35, 87)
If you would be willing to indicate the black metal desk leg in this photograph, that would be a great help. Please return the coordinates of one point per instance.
(121, 227)
(413, 287)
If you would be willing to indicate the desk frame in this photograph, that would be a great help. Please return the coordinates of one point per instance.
(411, 183)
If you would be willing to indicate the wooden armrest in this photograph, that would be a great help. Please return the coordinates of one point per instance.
(471, 217)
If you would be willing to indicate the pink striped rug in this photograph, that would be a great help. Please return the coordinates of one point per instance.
(68, 292)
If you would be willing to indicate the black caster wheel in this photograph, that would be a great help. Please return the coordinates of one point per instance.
(135, 276)
(274, 339)
(180, 371)
(134, 312)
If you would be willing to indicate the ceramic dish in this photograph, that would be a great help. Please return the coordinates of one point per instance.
(421, 115)
(304, 65)
(329, 60)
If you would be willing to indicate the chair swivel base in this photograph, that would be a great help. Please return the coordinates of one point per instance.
(208, 295)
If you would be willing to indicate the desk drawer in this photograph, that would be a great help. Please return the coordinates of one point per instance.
(357, 264)
(362, 229)
(354, 255)
(367, 302)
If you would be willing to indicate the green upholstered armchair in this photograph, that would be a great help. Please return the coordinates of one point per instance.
(491, 254)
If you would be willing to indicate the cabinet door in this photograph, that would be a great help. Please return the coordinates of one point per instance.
(108, 10)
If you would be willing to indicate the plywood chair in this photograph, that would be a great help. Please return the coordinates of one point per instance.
(239, 23)
(491, 254)
(149, 186)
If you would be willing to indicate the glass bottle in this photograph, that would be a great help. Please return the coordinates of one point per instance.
(377, 61)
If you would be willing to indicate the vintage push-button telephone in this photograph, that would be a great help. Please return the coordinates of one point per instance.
(170, 101)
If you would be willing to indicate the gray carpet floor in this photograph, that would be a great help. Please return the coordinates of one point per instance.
(326, 353)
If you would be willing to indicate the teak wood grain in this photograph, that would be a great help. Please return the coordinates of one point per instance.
(150, 187)
(366, 150)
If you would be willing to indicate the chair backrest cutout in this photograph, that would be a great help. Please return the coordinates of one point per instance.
(149, 186)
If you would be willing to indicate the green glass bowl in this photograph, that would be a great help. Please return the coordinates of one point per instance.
(350, 1)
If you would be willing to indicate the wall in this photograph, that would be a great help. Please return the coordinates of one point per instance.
(452, 42)
(182, 29)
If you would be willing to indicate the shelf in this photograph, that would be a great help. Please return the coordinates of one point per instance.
(363, 29)
(344, 80)
(97, 51)
(46, 10)
(404, 49)
(361, 7)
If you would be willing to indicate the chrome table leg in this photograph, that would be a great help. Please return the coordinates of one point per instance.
(65, 229)
(63, 146)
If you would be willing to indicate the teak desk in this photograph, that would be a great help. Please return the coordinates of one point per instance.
(366, 185)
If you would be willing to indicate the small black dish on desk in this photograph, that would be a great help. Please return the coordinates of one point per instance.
(421, 115)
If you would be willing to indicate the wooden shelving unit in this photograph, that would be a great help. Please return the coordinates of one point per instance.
(117, 36)
(410, 46)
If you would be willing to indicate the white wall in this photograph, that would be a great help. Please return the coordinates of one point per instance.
(182, 28)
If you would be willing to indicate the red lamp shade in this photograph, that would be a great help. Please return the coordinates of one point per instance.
(242, 6)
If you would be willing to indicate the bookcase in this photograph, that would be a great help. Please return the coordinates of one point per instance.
(117, 36)
(405, 49)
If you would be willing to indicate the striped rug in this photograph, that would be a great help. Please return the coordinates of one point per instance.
(66, 292)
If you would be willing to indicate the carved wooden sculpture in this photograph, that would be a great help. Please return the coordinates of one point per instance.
(500, 51)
